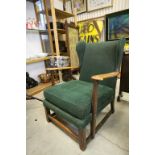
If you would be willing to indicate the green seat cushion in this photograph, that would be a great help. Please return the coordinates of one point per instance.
(79, 123)
(74, 97)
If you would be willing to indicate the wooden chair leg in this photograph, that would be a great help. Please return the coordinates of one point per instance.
(112, 107)
(94, 109)
(47, 112)
(93, 127)
(82, 139)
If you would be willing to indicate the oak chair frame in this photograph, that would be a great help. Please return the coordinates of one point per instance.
(81, 136)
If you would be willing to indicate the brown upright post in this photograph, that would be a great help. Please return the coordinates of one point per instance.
(75, 16)
(94, 108)
(49, 28)
(55, 28)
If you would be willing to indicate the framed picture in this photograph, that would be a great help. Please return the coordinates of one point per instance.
(72, 39)
(80, 5)
(98, 4)
(91, 31)
(117, 25)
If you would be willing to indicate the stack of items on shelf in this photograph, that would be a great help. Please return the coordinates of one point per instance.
(60, 61)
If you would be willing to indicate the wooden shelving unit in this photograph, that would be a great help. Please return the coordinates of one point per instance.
(37, 89)
(57, 15)
(41, 86)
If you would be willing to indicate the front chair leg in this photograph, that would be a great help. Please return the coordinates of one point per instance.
(82, 139)
(93, 127)
(112, 106)
(47, 112)
(94, 109)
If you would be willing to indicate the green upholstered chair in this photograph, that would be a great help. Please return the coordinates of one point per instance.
(77, 103)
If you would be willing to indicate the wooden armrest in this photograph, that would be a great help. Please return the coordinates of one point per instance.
(101, 77)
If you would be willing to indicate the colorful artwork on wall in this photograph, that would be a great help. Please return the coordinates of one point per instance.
(117, 25)
(91, 31)
(80, 5)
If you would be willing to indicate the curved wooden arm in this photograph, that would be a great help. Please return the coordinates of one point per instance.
(101, 77)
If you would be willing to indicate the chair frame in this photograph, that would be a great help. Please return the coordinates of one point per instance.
(81, 136)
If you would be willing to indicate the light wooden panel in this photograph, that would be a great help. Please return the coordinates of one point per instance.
(35, 60)
(37, 89)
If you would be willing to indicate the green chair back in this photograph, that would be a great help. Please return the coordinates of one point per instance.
(98, 58)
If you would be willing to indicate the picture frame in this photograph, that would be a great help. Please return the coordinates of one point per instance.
(73, 39)
(117, 25)
(98, 4)
(81, 5)
(91, 31)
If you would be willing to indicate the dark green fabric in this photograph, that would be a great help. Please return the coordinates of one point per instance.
(80, 48)
(103, 57)
(74, 97)
(120, 50)
(79, 123)
(72, 100)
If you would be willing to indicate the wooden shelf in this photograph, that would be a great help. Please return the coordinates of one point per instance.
(62, 31)
(59, 13)
(36, 30)
(60, 68)
(62, 14)
(37, 89)
(35, 60)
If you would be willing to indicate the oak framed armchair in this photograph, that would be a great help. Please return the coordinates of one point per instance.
(76, 103)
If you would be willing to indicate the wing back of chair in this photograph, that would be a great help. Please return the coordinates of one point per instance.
(80, 48)
(98, 58)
